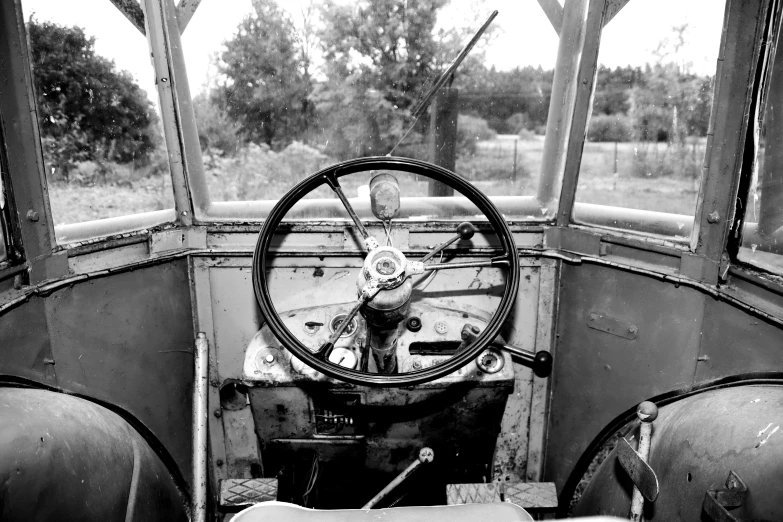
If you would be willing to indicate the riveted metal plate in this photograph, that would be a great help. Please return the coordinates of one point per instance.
(246, 492)
(640, 472)
(606, 323)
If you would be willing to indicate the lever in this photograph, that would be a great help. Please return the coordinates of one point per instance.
(465, 231)
(426, 455)
(540, 362)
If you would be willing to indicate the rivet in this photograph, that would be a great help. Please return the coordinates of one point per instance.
(714, 217)
(218, 413)
(219, 462)
(32, 215)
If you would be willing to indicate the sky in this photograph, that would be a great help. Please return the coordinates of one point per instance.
(523, 36)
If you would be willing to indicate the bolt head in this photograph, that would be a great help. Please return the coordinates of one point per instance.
(713, 217)
(426, 455)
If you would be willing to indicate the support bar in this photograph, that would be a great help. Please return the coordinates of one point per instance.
(199, 507)
(426, 455)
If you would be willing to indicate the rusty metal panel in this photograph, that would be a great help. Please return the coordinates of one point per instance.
(736, 343)
(128, 340)
(696, 443)
(25, 350)
(599, 376)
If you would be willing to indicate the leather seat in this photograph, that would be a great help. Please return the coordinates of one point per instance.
(498, 512)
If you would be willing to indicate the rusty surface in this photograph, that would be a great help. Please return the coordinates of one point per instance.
(697, 441)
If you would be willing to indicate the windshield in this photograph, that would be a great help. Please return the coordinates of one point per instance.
(282, 89)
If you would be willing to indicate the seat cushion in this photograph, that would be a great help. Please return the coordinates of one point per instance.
(497, 512)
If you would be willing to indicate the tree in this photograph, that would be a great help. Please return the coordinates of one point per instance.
(88, 110)
(380, 57)
(264, 85)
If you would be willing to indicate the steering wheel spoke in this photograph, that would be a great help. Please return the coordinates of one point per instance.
(369, 291)
(331, 179)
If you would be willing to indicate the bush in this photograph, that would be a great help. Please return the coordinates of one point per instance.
(526, 135)
(518, 122)
(653, 161)
(471, 129)
(257, 172)
(610, 127)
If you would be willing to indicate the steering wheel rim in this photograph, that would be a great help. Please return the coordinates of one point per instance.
(292, 343)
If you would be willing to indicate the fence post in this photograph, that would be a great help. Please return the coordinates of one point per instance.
(615, 157)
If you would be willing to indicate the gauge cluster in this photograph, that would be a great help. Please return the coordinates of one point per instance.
(428, 336)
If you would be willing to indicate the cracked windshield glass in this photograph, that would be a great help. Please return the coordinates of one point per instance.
(647, 134)
(98, 112)
(283, 89)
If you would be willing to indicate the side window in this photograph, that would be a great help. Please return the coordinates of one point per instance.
(99, 121)
(762, 238)
(647, 135)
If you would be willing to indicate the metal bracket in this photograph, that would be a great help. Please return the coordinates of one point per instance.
(177, 239)
(642, 475)
(717, 502)
(605, 323)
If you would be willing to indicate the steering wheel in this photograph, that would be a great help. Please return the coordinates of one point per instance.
(388, 273)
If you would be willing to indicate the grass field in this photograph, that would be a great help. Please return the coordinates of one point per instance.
(259, 173)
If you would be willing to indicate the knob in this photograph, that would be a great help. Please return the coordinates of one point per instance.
(647, 411)
(542, 364)
(465, 230)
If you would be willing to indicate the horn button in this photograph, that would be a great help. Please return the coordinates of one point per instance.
(385, 266)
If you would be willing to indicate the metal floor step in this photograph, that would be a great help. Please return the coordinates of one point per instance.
(536, 496)
(246, 492)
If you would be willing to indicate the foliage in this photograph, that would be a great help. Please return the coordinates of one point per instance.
(258, 172)
(471, 129)
(610, 127)
(378, 55)
(88, 109)
(264, 85)
(216, 131)
(498, 96)
(653, 161)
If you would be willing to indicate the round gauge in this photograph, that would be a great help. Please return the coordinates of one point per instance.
(337, 320)
(343, 357)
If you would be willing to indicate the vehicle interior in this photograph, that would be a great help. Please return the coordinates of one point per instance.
(393, 259)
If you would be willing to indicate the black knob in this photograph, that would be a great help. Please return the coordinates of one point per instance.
(542, 364)
(465, 230)
(413, 324)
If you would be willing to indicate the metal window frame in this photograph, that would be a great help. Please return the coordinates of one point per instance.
(735, 90)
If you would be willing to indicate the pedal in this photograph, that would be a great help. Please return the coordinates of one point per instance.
(537, 496)
(246, 492)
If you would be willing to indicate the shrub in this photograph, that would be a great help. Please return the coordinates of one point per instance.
(653, 161)
(610, 127)
(518, 122)
(471, 129)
